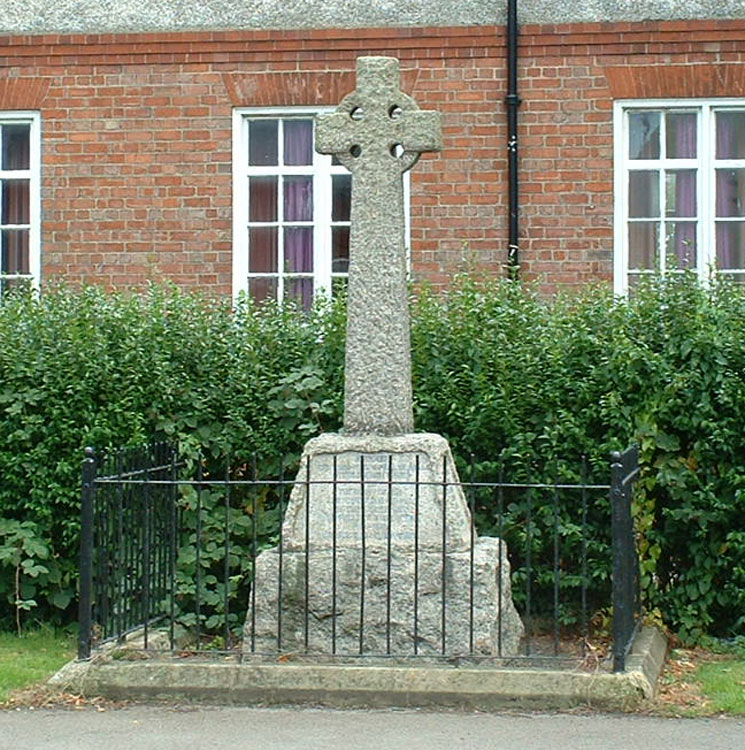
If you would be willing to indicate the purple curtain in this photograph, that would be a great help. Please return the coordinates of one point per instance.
(298, 206)
(683, 127)
(730, 190)
(298, 250)
(684, 232)
(298, 199)
(298, 142)
(730, 135)
(681, 135)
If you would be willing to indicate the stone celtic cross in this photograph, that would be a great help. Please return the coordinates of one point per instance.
(378, 133)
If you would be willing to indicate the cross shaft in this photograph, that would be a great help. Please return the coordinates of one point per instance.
(378, 133)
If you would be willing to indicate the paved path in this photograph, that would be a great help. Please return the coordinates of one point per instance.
(148, 727)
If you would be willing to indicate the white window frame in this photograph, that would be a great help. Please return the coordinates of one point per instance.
(33, 173)
(322, 171)
(704, 163)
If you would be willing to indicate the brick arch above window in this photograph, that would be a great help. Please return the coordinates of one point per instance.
(676, 81)
(298, 89)
(22, 93)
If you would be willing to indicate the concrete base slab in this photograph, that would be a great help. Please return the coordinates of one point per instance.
(373, 686)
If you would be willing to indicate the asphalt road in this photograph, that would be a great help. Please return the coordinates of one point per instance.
(146, 727)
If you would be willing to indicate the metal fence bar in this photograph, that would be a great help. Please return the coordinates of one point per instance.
(172, 550)
(362, 554)
(472, 542)
(585, 620)
(280, 570)
(416, 553)
(625, 562)
(389, 525)
(557, 572)
(334, 531)
(254, 543)
(85, 622)
(306, 573)
(500, 532)
(147, 552)
(119, 577)
(198, 542)
(529, 577)
(226, 559)
(443, 564)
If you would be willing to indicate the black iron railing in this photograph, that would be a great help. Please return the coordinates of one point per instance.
(626, 577)
(173, 545)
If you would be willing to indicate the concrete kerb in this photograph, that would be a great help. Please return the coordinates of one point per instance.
(351, 685)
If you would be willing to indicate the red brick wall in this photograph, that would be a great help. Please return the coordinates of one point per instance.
(136, 136)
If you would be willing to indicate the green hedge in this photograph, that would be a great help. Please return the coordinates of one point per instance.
(510, 378)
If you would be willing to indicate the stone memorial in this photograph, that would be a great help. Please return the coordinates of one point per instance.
(378, 554)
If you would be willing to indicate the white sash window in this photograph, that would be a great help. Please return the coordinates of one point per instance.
(19, 200)
(680, 189)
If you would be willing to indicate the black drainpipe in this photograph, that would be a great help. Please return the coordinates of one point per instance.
(512, 100)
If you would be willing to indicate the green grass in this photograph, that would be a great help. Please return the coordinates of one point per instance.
(31, 658)
(723, 682)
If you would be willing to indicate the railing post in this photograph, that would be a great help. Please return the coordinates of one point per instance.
(85, 600)
(621, 539)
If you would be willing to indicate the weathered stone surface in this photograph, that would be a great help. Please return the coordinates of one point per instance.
(452, 604)
(360, 593)
(410, 484)
(377, 132)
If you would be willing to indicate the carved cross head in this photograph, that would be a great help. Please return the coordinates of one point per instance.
(377, 128)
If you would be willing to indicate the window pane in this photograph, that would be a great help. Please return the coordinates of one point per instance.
(298, 142)
(643, 244)
(680, 244)
(730, 135)
(262, 250)
(16, 146)
(298, 250)
(644, 135)
(298, 203)
(341, 197)
(730, 244)
(680, 192)
(340, 249)
(730, 192)
(300, 290)
(737, 278)
(262, 142)
(14, 258)
(644, 194)
(262, 288)
(680, 137)
(262, 199)
(15, 202)
(7, 285)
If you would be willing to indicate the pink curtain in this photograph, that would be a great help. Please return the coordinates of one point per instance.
(298, 142)
(730, 190)
(681, 144)
(683, 241)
